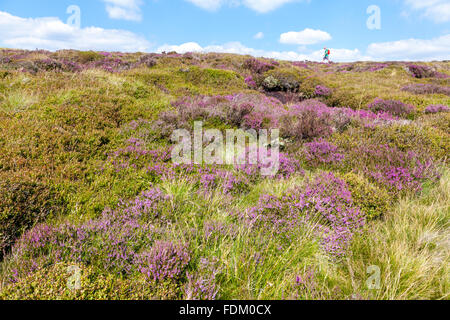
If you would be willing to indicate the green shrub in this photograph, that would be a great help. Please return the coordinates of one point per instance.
(341, 98)
(414, 137)
(22, 205)
(371, 199)
(282, 80)
(308, 87)
(440, 121)
(58, 282)
(88, 56)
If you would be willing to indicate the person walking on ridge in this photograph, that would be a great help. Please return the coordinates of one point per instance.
(327, 55)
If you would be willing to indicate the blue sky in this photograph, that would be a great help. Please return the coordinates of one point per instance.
(285, 29)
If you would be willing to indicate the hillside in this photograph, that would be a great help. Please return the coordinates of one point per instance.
(88, 188)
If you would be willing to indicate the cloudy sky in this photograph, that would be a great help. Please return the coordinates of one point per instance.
(283, 29)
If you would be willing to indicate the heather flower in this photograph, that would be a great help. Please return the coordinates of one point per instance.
(112, 241)
(324, 202)
(165, 260)
(201, 285)
(421, 71)
(322, 91)
(308, 120)
(322, 152)
(396, 170)
(250, 82)
(300, 64)
(436, 108)
(426, 88)
(258, 66)
(394, 107)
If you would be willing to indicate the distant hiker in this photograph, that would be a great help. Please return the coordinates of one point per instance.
(327, 55)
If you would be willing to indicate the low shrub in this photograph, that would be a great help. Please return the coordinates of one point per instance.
(437, 108)
(325, 202)
(394, 107)
(322, 152)
(22, 205)
(373, 201)
(248, 111)
(322, 91)
(282, 79)
(426, 88)
(306, 121)
(259, 66)
(60, 282)
(398, 171)
(421, 71)
(85, 57)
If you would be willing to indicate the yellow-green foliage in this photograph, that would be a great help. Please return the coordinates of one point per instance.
(357, 89)
(60, 282)
(88, 56)
(308, 86)
(431, 140)
(406, 137)
(371, 199)
(22, 205)
(439, 121)
(190, 80)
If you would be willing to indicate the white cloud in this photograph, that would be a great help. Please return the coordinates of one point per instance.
(412, 49)
(52, 34)
(183, 48)
(258, 36)
(436, 10)
(210, 5)
(124, 9)
(305, 37)
(261, 6)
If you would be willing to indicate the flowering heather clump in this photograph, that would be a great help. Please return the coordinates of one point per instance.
(165, 260)
(367, 114)
(366, 67)
(378, 66)
(322, 152)
(306, 286)
(325, 202)
(112, 242)
(308, 120)
(248, 111)
(136, 155)
(288, 166)
(392, 168)
(313, 119)
(202, 284)
(110, 64)
(436, 108)
(148, 60)
(394, 107)
(322, 91)
(420, 71)
(250, 82)
(422, 88)
(259, 67)
(300, 64)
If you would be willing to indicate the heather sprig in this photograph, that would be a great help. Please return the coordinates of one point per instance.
(437, 108)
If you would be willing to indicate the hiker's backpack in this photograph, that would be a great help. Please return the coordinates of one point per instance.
(328, 52)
